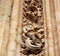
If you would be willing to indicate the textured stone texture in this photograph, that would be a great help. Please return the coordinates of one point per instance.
(11, 26)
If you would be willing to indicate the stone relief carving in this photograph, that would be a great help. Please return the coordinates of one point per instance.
(33, 28)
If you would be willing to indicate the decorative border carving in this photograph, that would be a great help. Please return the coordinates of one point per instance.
(33, 27)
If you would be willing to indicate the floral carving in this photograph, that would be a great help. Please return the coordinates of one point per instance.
(33, 27)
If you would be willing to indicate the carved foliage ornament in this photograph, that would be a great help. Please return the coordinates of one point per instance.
(33, 28)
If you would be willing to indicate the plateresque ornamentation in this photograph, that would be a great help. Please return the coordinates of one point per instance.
(33, 28)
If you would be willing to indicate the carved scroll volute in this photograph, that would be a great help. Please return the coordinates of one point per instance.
(33, 27)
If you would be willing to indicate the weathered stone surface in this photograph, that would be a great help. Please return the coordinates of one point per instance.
(29, 27)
